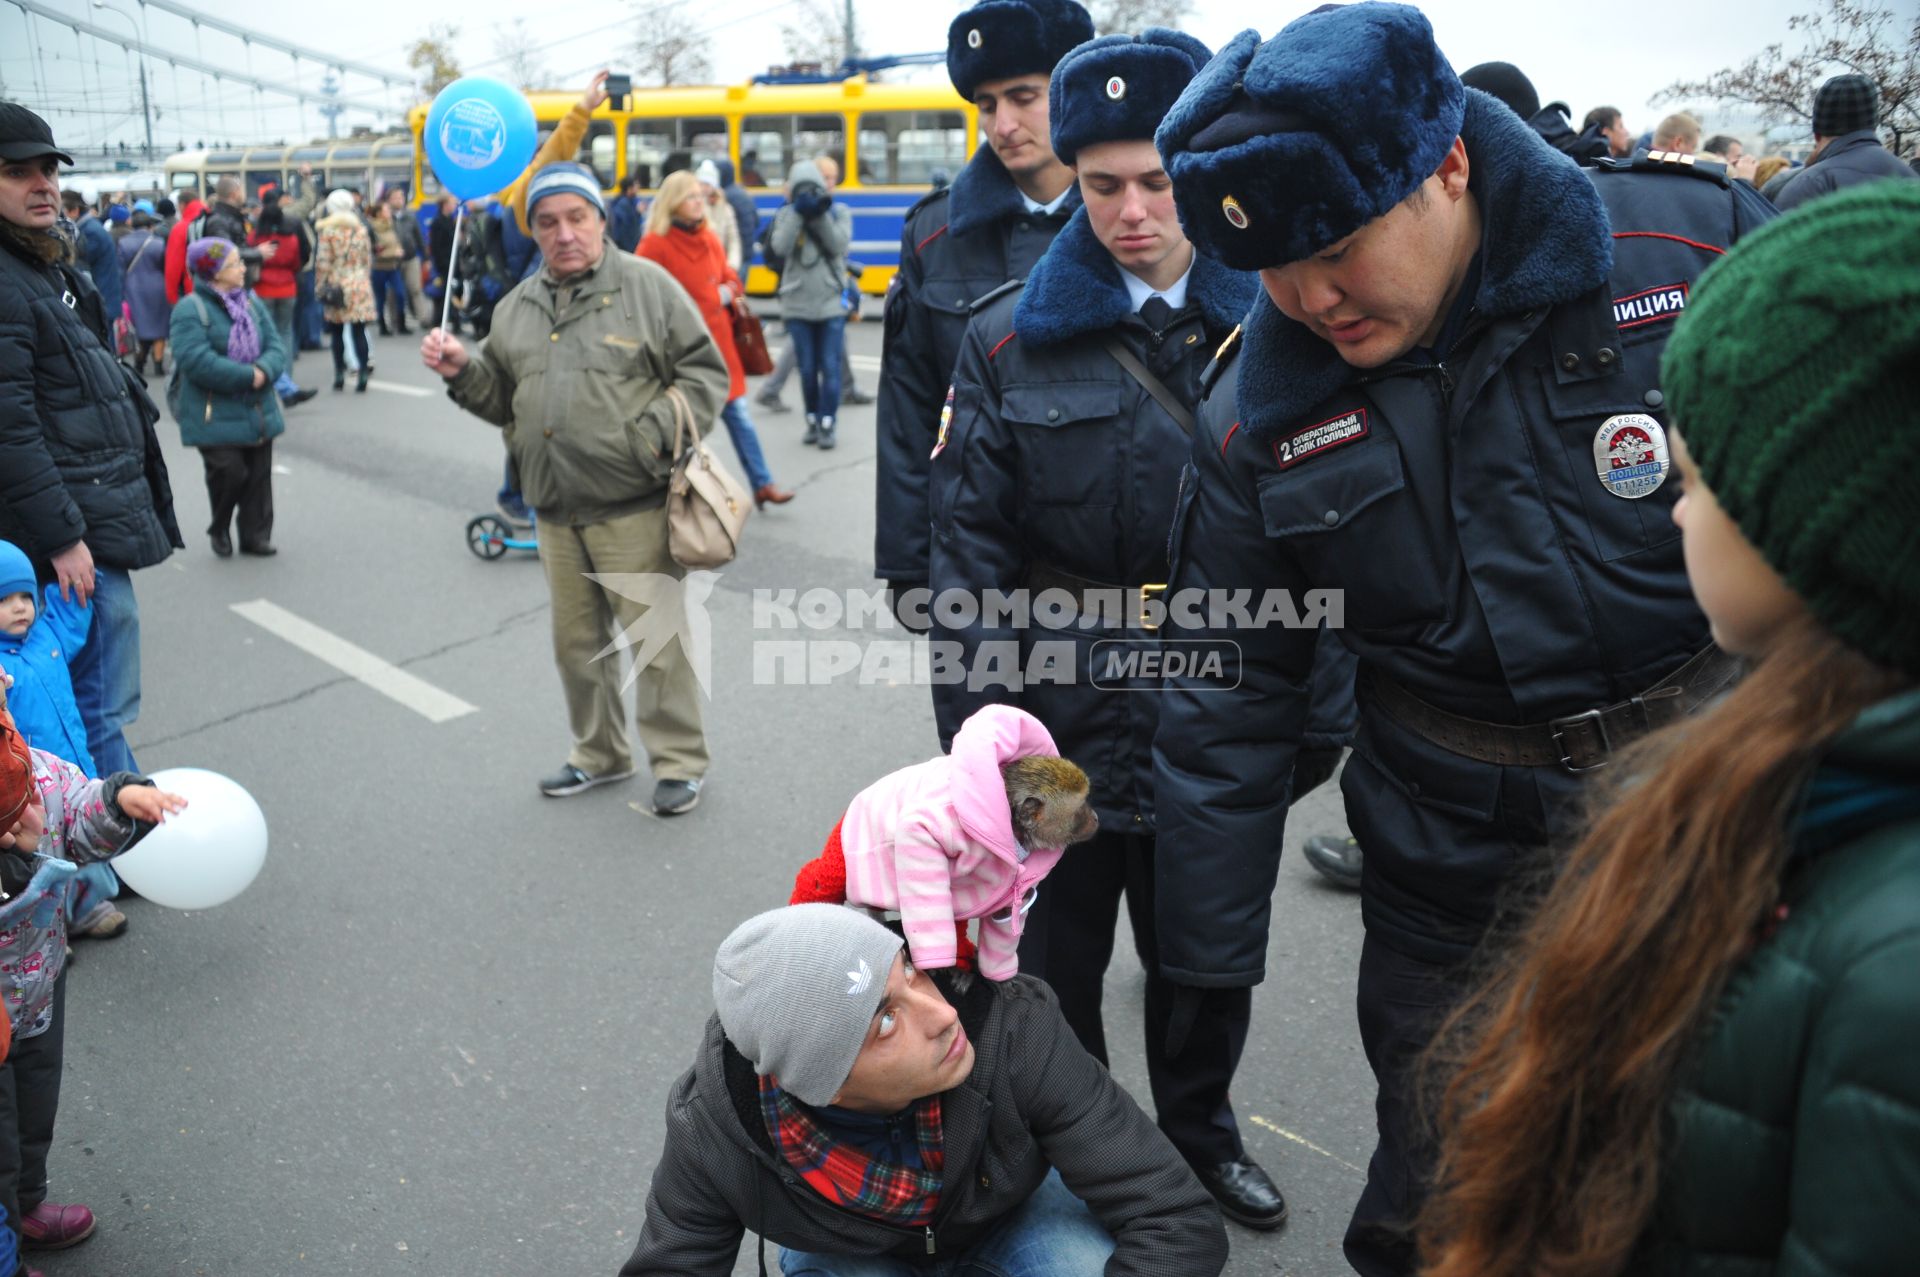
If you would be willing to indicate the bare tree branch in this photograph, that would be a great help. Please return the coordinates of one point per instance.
(432, 56)
(524, 67)
(1130, 17)
(1847, 36)
(670, 47)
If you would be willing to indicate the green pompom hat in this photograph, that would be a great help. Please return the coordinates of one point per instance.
(1794, 379)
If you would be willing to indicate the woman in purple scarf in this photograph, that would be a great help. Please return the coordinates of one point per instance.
(226, 354)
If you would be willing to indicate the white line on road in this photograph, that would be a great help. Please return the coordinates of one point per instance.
(395, 389)
(1283, 1133)
(422, 697)
(870, 362)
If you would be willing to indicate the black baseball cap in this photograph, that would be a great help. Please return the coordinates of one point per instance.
(25, 136)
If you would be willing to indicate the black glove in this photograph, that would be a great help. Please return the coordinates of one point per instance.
(811, 201)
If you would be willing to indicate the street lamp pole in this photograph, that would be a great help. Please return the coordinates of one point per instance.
(146, 112)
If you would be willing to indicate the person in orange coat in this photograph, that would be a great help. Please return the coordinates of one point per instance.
(678, 238)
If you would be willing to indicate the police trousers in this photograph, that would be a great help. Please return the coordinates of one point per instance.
(1068, 942)
(1402, 1001)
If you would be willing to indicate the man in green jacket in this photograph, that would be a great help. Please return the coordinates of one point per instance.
(575, 372)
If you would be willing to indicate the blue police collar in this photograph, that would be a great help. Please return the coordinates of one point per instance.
(1075, 288)
(1545, 240)
(984, 194)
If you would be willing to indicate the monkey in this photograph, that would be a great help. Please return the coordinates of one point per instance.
(1048, 798)
(965, 836)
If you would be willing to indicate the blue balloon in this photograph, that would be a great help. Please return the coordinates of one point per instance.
(479, 137)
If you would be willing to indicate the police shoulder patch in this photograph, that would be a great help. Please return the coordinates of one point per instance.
(1310, 441)
(1650, 306)
(992, 295)
(1218, 364)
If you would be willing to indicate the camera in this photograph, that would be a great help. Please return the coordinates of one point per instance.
(618, 87)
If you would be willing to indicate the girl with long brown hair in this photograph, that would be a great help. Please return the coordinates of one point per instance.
(1702, 1054)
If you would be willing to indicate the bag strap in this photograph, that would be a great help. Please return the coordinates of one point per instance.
(682, 420)
(1181, 414)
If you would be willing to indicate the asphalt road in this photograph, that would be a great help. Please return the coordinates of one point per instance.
(437, 1034)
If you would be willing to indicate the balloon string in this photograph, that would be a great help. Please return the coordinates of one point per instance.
(453, 265)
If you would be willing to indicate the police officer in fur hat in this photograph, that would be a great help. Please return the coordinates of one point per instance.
(1055, 469)
(1447, 407)
(989, 226)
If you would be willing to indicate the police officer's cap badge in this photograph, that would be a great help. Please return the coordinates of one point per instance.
(1630, 455)
(1234, 213)
(1116, 88)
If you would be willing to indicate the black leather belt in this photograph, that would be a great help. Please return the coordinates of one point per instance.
(1578, 742)
(1132, 598)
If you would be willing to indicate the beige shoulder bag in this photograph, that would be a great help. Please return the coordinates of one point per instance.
(706, 505)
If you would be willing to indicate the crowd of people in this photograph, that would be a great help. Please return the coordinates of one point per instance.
(1628, 659)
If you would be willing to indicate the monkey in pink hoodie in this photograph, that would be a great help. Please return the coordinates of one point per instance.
(966, 835)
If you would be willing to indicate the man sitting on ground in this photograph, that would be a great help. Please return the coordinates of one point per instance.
(843, 1108)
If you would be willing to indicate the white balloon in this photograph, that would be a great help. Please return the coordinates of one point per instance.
(203, 856)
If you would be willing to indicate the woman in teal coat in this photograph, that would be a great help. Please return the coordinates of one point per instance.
(1702, 1056)
(226, 354)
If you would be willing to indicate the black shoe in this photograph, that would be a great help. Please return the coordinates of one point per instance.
(384, 330)
(671, 797)
(813, 431)
(770, 403)
(299, 396)
(360, 386)
(826, 440)
(261, 550)
(1337, 859)
(571, 780)
(339, 379)
(857, 397)
(1245, 1194)
(222, 543)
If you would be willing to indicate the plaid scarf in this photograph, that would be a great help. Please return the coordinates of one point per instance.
(850, 1177)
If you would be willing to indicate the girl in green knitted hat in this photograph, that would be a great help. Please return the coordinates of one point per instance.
(1701, 1052)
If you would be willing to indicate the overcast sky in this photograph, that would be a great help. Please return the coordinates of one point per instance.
(1620, 52)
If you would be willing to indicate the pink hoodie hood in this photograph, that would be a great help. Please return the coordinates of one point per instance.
(993, 735)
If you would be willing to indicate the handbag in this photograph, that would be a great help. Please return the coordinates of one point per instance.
(334, 297)
(706, 505)
(750, 341)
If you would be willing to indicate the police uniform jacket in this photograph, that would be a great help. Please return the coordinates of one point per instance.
(958, 245)
(1053, 457)
(1485, 567)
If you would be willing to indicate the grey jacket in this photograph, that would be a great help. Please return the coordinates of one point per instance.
(1035, 1100)
(810, 286)
(1850, 159)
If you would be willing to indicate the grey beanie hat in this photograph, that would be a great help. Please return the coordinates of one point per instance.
(796, 989)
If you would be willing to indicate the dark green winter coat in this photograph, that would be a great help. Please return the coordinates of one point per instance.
(214, 398)
(1795, 1141)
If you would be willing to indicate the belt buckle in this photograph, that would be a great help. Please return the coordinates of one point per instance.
(1560, 726)
(1145, 592)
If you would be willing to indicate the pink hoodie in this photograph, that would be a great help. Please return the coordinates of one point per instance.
(935, 841)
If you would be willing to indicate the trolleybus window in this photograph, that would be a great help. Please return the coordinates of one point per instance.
(648, 142)
(770, 144)
(600, 151)
(903, 148)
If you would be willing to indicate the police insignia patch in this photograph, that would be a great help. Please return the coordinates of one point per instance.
(1650, 306)
(946, 424)
(1316, 439)
(1630, 455)
(1237, 216)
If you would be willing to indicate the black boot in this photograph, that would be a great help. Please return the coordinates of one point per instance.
(361, 384)
(384, 330)
(340, 377)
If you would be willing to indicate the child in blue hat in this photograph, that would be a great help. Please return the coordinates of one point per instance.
(36, 642)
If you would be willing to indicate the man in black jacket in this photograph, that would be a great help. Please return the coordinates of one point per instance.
(843, 1107)
(1448, 409)
(83, 488)
(1846, 119)
(961, 243)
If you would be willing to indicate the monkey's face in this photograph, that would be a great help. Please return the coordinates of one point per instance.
(1086, 822)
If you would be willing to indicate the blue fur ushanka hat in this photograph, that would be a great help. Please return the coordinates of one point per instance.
(1119, 87)
(1000, 39)
(1276, 150)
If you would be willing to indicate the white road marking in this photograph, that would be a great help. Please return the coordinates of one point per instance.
(394, 388)
(418, 695)
(870, 362)
(1304, 1142)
